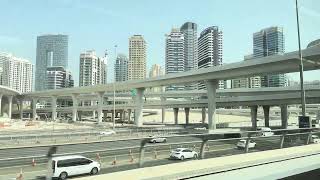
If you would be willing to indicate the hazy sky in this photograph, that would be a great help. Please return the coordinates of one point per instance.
(101, 24)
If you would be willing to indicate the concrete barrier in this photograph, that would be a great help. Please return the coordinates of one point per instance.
(215, 165)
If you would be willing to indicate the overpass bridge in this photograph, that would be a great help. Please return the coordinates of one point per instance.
(265, 97)
(288, 62)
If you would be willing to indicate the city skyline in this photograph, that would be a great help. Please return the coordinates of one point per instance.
(23, 43)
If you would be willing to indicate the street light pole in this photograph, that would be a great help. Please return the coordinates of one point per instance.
(114, 91)
(303, 95)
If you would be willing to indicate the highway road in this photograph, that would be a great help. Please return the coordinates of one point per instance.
(9, 154)
(216, 149)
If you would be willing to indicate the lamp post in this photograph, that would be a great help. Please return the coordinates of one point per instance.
(114, 91)
(304, 121)
(303, 98)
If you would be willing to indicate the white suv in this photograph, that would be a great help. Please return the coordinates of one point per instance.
(155, 139)
(65, 166)
(242, 144)
(315, 139)
(183, 153)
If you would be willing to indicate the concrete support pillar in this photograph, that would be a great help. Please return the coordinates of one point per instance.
(79, 116)
(74, 107)
(100, 104)
(105, 115)
(163, 110)
(203, 115)
(54, 107)
(187, 110)
(266, 112)
(212, 86)
(124, 115)
(176, 113)
(21, 108)
(9, 106)
(139, 105)
(284, 116)
(0, 105)
(112, 116)
(129, 115)
(34, 108)
(94, 114)
(254, 112)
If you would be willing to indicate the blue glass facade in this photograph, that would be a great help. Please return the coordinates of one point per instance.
(268, 42)
(52, 50)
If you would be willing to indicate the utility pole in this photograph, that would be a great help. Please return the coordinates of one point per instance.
(114, 91)
(303, 98)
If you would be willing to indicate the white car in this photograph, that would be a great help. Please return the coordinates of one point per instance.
(242, 144)
(265, 131)
(200, 128)
(65, 166)
(105, 133)
(155, 139)
(315, 139)
(183, 153)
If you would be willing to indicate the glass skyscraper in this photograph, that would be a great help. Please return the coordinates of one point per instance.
(210, 51)
(121, 68)
(268, 42)
(189, 31)
(52, 50)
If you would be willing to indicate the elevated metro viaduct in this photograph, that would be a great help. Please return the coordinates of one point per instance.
(286, 63)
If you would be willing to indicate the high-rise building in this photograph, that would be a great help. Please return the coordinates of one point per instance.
(240, 83)
(121, 68)
(156, 71)
(210, 51)
(52, 50)
(189, 31)
(175, 56)
(3, 57)
(137, 58)
(17, 73)
(58, 77)
(92, 69)
(268, 42)
(251, 82)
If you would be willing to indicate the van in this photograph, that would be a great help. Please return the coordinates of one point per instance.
(65, 166)
(265, 131)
